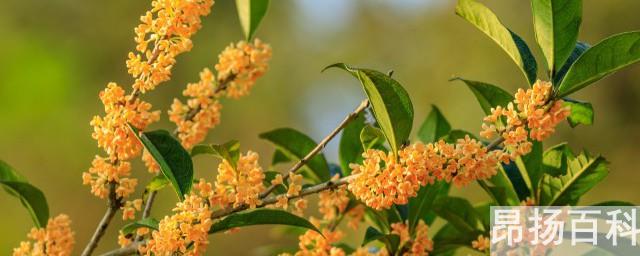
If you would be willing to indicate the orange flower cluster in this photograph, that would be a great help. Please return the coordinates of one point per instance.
(238, 68)
(150, 163)
(56, 239)
(185, 232)
(112, 131)
(311, 243)
(103, 172)
(384, 180)
(421, 244)
(332, 202)
(168, 26)
(201, 113)
(531, 115)
(240, 65)
(129, 209)
(241, 185)
(293, 189)
(481, 244)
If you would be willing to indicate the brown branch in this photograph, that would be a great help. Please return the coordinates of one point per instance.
(114, 204)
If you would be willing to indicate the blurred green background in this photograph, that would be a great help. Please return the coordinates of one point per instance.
(56, 55)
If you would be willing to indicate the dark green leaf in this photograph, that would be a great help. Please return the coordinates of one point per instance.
(614, 203)
(251, 13)
(377, 218)
(348, 250)
(557, 23)
(460, 213)
(579, 49)
(555, 160)
(531, 165)
(583, 173)
(581, 112)
(485, 20)
(420, 206)
(371, 137)
(434, 127)
(296, 145)
(31, 197)
(279, 157)
(391, 241)
(130, 228)
(448, 239)
(261, 217)
(350, 149)
(389, 101)
(501, 189)
(601, 60)
(517, 178)
(488, 95)
(174, 161)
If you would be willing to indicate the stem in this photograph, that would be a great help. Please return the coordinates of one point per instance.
(128, 250)
(363, 105)
(114, 204)
(149, 204)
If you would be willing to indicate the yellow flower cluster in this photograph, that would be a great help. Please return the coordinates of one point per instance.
(103, 173)
(481, 244)
(168, 26)
(311, 243)
(56, 239)
(201, 113)
(240, 65)
(420, 244)
(238, 68)
(185, 232)
(129, 209)
(531, 115)
(384, 179)
(241, 185)
(332, 202)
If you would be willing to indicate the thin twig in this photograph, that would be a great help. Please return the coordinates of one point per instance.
(363, 105)
(114, 204)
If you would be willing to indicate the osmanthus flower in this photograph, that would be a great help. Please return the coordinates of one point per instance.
(240, 64)
(331, 203)
(199, 114)
(419, 244)
(311, 243)
(168, 27)
(532, 114)
(150, 163)
(112, 131)
(481, 244)
(55, 239)
(239, 185)
(185, 232)
(129, 209)
(104, 172)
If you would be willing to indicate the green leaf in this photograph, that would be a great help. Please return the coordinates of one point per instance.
(391, 241)
(555, 160)
(389, 101)
(371, 137)
(434, 127)
(488, 95)
(229, 151)
(601, 60)
(581, 112)
(158, 182)
(485, 20)
(501, 189)
(579, 49)
(531, 166)
(350, 149)
(460, 213)
(296, 145)
(261, 217)
(614, 203)
(448, 239)
(174, 161)
(420, 206)
(279, 157)
(583, 173)
(269, 176)
(251, 13)
(348, 250)
(556, 23)
(130, 228)
(30, 197)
